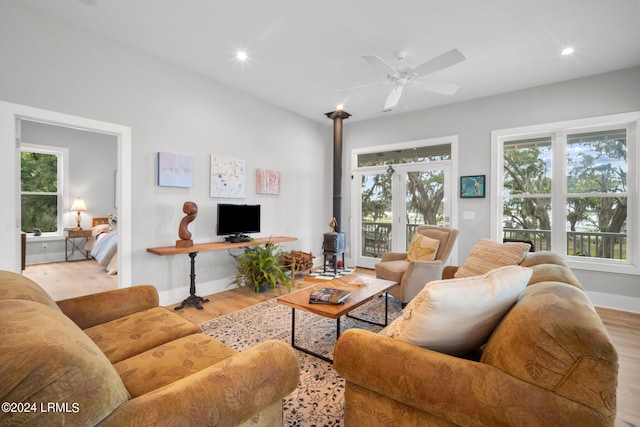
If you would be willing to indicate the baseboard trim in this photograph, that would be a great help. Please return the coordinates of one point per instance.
(615, 302)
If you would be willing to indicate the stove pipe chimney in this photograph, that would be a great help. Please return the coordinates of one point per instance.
(337, 117)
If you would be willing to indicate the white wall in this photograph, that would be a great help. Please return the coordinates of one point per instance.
(473, 121)
(50, 65)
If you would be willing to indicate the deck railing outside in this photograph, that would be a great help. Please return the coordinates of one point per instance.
(579, 243)
(376, 240)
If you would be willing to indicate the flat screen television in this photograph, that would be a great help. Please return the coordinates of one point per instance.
(235, 221)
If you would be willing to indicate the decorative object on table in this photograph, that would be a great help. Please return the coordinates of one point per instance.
(472, 186)
(191, 209)
(329, 296)
(174, 170)
(228, 177)
(259, 268)
(78, 206)
(267, 181)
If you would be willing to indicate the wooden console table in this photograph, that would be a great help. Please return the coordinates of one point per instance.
(192, 251)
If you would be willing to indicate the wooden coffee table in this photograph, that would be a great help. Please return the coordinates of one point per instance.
(360, 294)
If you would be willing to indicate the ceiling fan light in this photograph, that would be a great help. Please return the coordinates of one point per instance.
(567, 51)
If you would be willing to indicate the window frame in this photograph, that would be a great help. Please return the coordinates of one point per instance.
(558, 132)
(62, 154)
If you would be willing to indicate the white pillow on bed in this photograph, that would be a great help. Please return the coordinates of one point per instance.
(456, 316)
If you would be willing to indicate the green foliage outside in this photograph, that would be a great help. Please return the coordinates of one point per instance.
(425, 194)
(39, 185)
(596, 163)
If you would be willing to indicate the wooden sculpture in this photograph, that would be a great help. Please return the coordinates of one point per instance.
(191, 209)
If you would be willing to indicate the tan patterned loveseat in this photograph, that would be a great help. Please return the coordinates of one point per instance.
(118, 359)
(549, 361)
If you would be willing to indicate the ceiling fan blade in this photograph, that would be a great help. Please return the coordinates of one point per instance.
(386, 82)
(440, 62)
(443, 88)
(393, 98)
(381, 64)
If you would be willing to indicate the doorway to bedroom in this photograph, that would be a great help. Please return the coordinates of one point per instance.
(12, 115)
(60, 166)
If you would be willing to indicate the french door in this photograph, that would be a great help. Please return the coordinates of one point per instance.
(392, 200)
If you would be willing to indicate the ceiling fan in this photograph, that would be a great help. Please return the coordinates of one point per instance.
(405, 75)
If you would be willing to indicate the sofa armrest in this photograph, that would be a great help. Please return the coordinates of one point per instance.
(226, 393)
(449, 271)
(90, 310)
(393, 256)
(460, 391)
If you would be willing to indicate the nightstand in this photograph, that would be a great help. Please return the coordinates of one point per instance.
(74, 240)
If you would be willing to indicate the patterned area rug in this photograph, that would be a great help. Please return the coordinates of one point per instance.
(319, 398)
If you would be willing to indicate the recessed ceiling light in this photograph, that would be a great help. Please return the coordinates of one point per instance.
(567, 51)
(242, 56)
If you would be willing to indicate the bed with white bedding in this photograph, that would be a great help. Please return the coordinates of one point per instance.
(103, 243)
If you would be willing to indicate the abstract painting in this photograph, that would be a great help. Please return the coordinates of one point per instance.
(267, 181)
(228, 177)
(174, 170)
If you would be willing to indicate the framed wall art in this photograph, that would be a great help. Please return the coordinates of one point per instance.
(267, 181)
(228, 177)
(174, 170)
(472, 186)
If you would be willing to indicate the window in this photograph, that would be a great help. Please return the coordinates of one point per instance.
(41, 188)
(571, 188)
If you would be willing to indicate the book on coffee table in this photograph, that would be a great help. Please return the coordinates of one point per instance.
(328, 296)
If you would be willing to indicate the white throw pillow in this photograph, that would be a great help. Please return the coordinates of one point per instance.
(487, 255)
(456, 316)
(422, 248)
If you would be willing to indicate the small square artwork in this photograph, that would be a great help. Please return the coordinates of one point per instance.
(228, 176)
(174, 170)
(267, 181)
(472, 186)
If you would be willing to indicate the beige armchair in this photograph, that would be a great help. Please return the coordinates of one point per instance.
(412, 276)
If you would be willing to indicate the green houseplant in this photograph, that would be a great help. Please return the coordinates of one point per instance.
(259, 267)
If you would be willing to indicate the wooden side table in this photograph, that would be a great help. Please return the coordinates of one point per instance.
(74, 240)
(194, 299)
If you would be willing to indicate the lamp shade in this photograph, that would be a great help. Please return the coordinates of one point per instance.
(78, 205)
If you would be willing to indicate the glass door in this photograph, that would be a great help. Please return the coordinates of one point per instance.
(426, 201)
(385, 223)
(376, 213)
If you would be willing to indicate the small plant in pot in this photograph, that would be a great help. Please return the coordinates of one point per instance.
(259, 268)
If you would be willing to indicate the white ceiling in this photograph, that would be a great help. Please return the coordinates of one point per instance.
(302, 53)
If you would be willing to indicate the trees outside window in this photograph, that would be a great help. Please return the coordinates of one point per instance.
(569, 189)
(41, 189)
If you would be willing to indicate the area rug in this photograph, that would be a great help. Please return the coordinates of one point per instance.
(319, 398)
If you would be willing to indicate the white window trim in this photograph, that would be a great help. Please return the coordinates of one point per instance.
(632, 119)
(63, 182)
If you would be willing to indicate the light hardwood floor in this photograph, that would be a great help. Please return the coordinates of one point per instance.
(67, 280)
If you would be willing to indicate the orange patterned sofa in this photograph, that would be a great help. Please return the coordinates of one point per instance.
(549, 361)
(118, 359)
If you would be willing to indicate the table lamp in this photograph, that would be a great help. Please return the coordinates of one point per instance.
(78, 206)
